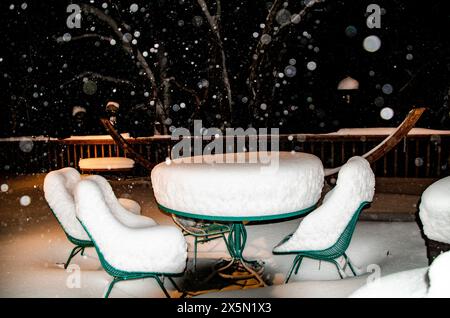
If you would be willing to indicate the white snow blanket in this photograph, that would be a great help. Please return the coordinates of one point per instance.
(109, 163)
(433, 281)
(156, 248)
(434, 211)
(130, 205)
(121, 213)
(321, 228)
(58, 191)
(221, 186)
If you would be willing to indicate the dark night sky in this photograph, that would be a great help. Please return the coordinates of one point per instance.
(34, 65)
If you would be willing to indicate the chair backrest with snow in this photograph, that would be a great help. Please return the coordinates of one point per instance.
(58, 190)
(125, 216)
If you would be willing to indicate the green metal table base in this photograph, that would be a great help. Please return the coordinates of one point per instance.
(235, 245)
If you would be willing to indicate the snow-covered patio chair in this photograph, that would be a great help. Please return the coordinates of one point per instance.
(325, 233)
(58, 191)
(126, 253)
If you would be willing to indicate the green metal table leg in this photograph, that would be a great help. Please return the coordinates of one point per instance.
(235, 245)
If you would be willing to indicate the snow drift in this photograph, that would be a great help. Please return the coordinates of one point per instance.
(433, 281)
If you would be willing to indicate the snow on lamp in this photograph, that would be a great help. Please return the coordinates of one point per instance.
(347, 86)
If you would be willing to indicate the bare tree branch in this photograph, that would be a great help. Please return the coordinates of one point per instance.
(160, 111)
(85, 36)
(191, 91)
(297, 18)
(214, 25)
(268, 29)
(97, 76)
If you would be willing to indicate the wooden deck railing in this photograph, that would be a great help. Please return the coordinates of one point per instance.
(416, 156)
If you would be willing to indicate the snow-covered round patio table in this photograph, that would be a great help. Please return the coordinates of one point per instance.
(238, 188)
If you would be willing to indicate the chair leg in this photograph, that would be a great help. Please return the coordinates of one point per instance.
(111, 285)
(338, 268)
(74, 252)
(82, 251)
(195, 253)
(295, 267)
(347, 259)
(174, 284)
(161, 284)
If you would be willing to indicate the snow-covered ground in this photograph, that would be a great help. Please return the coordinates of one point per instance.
(32, 243)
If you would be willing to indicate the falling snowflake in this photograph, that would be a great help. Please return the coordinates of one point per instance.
(372, 43)
(4, 187)
(25, 200)
(387, 113)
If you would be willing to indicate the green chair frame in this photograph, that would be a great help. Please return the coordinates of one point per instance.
(204, 234)
(80, 245)
(330, 254)
(120, 275)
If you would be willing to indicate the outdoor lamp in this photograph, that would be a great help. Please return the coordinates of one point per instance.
(111, 109)
(347, 86)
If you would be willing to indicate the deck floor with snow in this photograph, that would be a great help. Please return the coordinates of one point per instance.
(32, 244)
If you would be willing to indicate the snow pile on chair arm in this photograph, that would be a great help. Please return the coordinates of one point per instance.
(125, 216)
(434, 211)
(58, 191)
(232, 189)
(321, 228)
(155, 249)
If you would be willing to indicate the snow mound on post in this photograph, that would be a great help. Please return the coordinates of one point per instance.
(233, 189)
(321, 228)
(58, 191)
(434, 211)
(158, 249)
(128, 218)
